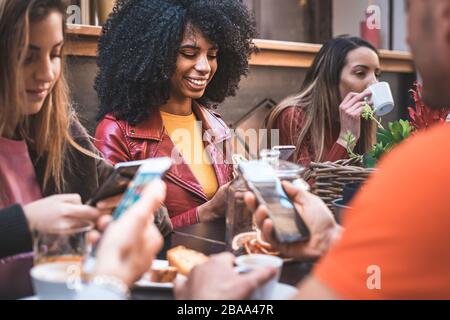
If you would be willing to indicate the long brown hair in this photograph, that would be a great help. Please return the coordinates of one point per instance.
(319, 98)
(47, 131)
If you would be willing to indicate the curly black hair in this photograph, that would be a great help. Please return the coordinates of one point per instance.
(139, 46)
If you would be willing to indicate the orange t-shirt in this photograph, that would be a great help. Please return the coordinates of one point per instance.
(397, 239)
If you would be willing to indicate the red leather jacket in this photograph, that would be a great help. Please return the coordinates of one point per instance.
(121, 142)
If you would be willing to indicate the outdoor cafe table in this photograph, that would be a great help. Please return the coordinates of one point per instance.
(209, 238)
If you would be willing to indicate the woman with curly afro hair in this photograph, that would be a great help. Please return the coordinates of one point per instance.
(163, 65)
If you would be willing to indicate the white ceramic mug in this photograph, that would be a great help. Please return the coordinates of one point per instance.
(382, 99)
(57, 280)
(254, 261)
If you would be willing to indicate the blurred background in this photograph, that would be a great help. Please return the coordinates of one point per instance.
(290, 33)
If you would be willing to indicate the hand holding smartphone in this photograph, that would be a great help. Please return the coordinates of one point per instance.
(150, 170)
(262, 180)
(147, 171)
(117, 182)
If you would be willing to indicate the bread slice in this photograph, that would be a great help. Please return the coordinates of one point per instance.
(163, 275)
(185, 259)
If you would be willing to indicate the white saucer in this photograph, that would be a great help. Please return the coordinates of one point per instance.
(30, 298)
(282, 292)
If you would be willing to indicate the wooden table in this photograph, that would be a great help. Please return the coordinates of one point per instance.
(209, 238)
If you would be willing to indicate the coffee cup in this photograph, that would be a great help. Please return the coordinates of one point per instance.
(382, 99)
(247, 263)
(56, 281)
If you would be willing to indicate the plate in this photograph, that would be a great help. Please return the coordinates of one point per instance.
(239, 249)
(145, 280)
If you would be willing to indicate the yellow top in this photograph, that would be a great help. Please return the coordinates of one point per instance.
(186, 134)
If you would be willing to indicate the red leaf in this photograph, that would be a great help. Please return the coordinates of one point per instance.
(423, 117)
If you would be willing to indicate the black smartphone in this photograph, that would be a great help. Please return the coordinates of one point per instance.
(285, 151)
(117, 182)
(262, 180)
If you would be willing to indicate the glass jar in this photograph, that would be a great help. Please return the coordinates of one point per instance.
(270, 156)
(285, 170)
(239, 219)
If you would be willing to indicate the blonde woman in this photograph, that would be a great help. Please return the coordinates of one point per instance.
(44, 151)
(330, 103)
(44, 148)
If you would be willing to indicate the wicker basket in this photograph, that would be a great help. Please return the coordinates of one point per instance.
(331, 177)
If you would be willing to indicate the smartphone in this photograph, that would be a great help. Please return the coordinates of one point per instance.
(262, 180)
(117, 182)
(147, 170)
(150, 170)
(285, 151)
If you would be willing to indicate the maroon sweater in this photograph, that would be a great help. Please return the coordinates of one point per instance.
(290, 122)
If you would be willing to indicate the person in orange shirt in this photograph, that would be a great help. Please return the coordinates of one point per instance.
(395, 242)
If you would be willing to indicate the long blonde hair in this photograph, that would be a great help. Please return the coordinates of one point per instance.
(47, 131)
(319, 98)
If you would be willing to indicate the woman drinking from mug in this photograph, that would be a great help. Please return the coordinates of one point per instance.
(163, 65)
(330, 103)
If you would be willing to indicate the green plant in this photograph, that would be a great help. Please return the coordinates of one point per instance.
(386, 138)
(422, 117)
(350, 142)
(369, 114)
